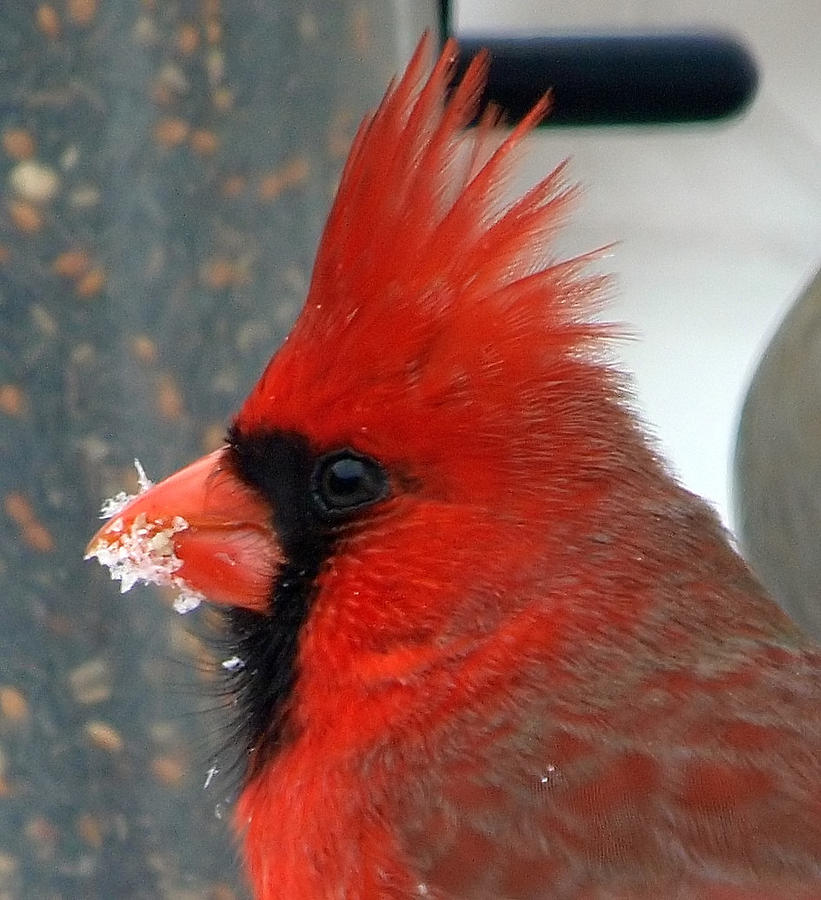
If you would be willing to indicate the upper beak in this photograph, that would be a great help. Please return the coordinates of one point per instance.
(201, 530)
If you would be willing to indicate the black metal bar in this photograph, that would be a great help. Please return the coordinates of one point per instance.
(618, 79)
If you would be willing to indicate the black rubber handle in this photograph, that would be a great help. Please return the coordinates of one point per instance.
(620, 78)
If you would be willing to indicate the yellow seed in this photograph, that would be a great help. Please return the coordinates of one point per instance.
(168, 769)
(38, 537)
(18, 508)
(12, 400)
(144, 349)
(171, 132)
(19, 143)
(213, 31)
(91, 682)
(218, 274)
(293, 173)
(81, 12)
(223, 99)
(13, 705)
(188, 38)
(104, 736)
(26, 216)
(89, 830)
(71, 264)
(169, 398)
(48, 21)
(204, 143)
(34, 533)
(34, 182)
(91, 284)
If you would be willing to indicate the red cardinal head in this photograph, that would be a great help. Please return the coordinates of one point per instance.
(461, 585)
(435, 414)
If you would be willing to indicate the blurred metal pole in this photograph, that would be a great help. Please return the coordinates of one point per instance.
(777, 468)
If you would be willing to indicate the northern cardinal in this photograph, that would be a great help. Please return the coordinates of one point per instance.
(486, 646)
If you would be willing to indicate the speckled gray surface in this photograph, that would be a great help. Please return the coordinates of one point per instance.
(165, 170)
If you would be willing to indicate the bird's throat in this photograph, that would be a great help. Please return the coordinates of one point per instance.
(266, 648)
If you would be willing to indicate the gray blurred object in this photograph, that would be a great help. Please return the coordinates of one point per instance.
(778, 464)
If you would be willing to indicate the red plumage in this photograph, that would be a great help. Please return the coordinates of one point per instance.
(528, 663)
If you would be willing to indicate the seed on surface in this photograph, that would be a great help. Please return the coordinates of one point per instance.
(204, 143)
(89, 830)
(169, 398)
(168, 769)
(81, 12)
(188, 38)
(13, 704)
(91, 682)
(26, 217)
(291, 174)
(48, 21)
(12, 400)
(144, 348)
(91, 284)
(19, 143)
(170, 132)
(71, 264)
(104, 736)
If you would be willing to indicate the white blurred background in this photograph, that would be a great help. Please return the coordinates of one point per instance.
(719, 225)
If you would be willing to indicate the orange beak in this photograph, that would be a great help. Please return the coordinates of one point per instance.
(201, 531)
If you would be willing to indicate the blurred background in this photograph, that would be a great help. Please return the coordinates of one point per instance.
(719, 225)
(165, 170)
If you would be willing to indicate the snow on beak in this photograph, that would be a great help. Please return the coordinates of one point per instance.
(200, 531)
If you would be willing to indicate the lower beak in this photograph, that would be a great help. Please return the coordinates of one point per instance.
(201, 531)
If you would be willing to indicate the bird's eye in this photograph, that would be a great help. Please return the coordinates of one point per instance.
(345, 481)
